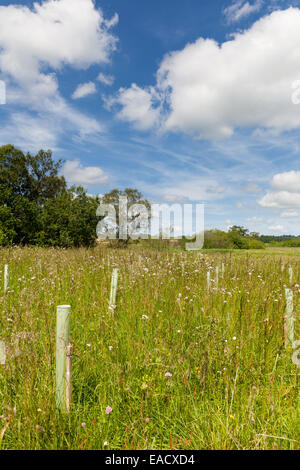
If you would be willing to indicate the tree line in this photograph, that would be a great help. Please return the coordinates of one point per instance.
(37, 208)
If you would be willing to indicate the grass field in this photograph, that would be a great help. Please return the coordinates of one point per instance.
(180, 366)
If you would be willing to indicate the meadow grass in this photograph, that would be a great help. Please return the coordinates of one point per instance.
(230, 382)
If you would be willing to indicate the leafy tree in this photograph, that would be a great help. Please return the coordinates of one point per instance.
(133, 197)
(35, 205)
(242, 231)
(254, 244)
(217, 239)
(44, 182)
(254, 235)
(69, 219)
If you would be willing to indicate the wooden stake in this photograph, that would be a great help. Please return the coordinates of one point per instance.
(113, 288)
(290, 274)
(217, 276)
(289, 319)
(62, 341)
(69, 378)
(223, 270)
(208, 280)
(6, 278)
(2, 353)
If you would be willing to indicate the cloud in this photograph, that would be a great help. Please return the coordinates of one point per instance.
(84, 89)
(137, 106)
(277, 228)
(75, 172)
(106, 79)
(51, 35)
(77, 27)
(240, 9)
(290, 213)
(280, 199)
(251, 188)
(26, 131)
(286, 193)
(209, 90)
(289, 181)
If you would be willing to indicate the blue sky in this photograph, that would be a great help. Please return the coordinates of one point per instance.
(186, 101)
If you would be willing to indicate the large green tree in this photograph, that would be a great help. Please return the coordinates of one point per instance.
(26, 183)
(36, 207)
(69, 219)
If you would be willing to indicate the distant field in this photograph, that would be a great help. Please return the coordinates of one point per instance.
(284, 251)
(278, 251)
(181, 366)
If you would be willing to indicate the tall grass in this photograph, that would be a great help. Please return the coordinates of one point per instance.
(181, 367)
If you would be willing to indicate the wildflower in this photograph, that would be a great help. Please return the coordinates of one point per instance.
(147, 420)
(168, 374)
(105, 443)
(110, 348)
(83, 425)
(234, 338)
(144, 317)
(108, 410)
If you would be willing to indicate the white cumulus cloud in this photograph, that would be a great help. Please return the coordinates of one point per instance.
(84, 89)
(280, 199)
(137, 106)
(209, 89)
(75, 172)
(53, 33)
(288, 181)
(285, 191)
(37, 42)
